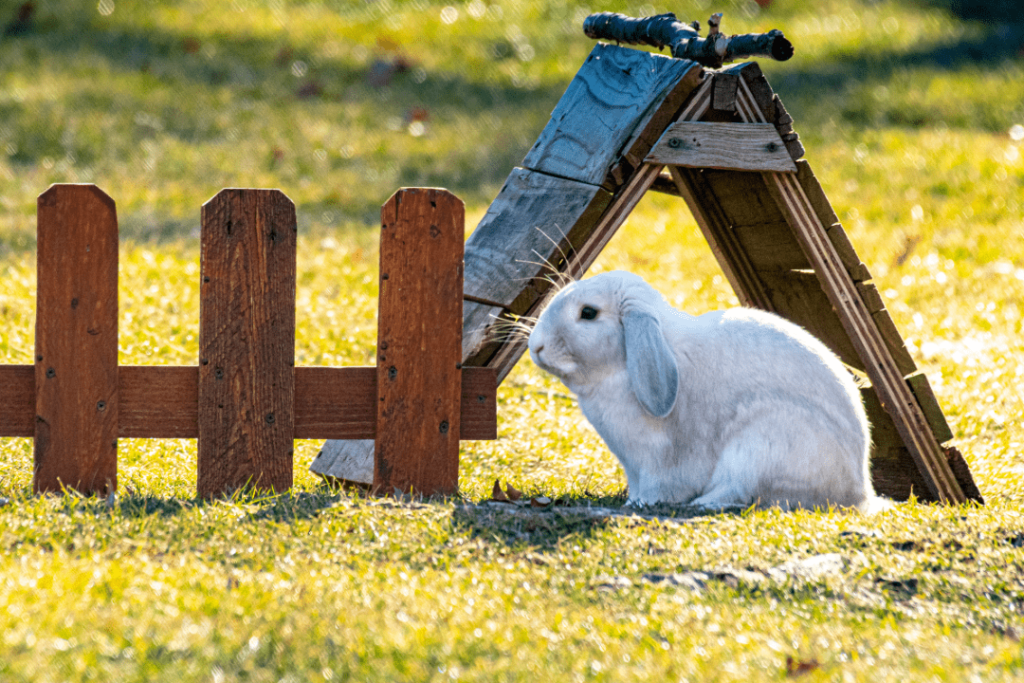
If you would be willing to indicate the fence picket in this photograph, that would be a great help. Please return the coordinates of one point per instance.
(247, 342)
(419, 342)
(76, 341)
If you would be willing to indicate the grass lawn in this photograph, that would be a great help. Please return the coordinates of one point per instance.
(913, 120)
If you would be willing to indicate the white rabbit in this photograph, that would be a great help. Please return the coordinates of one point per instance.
(734, 407)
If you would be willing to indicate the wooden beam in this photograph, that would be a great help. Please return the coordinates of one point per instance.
(76, 397)
(730, 146)
(246, 342)
(419, 343)
(161, 402)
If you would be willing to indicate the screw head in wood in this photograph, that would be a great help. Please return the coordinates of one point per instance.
(675, 143)
(270, 418)
(218, 373)
(101, 406)
(444, 427)
(772, 147)
(392, 372)
(50, 373)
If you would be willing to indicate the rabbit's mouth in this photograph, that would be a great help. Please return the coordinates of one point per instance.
(559, 370)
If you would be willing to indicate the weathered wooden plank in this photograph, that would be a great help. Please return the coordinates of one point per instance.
(759, 92)
(724, 96)
(76, 395)
(419, 343)
(870, 296)
(730, 146)
(771, 247)
(844, 248)
(799, 297)
(819, 202)
(612, 93)
(894, 342)
(922, 391)
(534, 223)
(246, 342)
(650, 128)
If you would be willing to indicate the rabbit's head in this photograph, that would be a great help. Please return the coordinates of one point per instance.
(608, 324)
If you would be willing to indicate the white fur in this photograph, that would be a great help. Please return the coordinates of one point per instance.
(758, 410)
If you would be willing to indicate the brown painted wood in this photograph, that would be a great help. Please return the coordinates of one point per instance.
(419, 343)
(246, 342)
(18, 398)
(732, 146)
(76, 397)
(161, 402)
(614, 91)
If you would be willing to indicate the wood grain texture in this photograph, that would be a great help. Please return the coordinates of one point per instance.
(660, 115)
(246, 342)
(18, 399)
(844, 248)
(419, 343)
(612, 93)
(724, 95)
(731, 146)
(76, 397)
(161, 402)
(922, 390)
(534, 221)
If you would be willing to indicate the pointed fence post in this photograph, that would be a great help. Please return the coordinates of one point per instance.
(76, 341)
(419, 343)
(247, 342)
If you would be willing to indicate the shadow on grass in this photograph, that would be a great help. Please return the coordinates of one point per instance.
(578, 516)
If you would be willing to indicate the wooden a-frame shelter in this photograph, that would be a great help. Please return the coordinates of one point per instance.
(632, 122)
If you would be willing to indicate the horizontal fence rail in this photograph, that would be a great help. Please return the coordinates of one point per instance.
(245, 402)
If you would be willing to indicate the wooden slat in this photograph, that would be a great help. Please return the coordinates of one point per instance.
(18, 398)
(894, 342)
(536, 219)
(76, 398)
(662, 113)
(894, 473)
(844, 248)
(611, 95)
(922, 391)
(724, 97)
(731, 146)
(161, 402)
(870, 296)
(419, 343)
(246, 342)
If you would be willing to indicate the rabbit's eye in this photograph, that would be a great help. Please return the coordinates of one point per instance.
(588, 313)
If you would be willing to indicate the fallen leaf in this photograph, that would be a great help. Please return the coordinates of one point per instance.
(497, 494)
(540, 502)
(796, 667)
(512, 493)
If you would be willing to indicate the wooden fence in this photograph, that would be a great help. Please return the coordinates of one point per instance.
(246, 401)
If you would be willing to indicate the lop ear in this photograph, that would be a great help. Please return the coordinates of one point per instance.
(653, 372)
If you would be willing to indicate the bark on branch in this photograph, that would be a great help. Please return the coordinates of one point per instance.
(684, 41)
